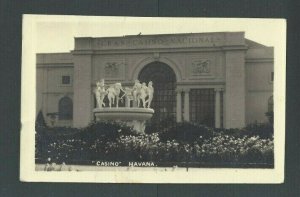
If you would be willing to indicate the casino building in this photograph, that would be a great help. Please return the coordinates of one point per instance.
(219, 79)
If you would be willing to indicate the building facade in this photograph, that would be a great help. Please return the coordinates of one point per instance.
(219, 79)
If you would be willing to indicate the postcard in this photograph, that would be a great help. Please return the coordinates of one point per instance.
(152, 99)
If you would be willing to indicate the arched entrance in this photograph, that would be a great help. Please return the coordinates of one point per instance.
(65, 108)
(164, 83)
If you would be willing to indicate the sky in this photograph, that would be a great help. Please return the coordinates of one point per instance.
(56, 33)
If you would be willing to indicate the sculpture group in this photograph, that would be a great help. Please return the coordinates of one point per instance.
(140, 93)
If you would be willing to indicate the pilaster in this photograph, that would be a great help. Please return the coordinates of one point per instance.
(83, 94)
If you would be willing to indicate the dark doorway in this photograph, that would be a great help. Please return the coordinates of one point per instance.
(164, 83)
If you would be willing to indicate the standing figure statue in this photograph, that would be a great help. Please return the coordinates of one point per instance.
(128, 93)
(136, 90)
(142, 94)
(100, 93)
(113, 93)
(150, 92)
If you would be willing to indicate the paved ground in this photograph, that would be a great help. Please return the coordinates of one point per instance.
(45, 167)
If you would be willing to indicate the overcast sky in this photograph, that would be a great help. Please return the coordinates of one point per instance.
(56, 33)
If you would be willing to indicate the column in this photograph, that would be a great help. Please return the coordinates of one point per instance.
(178, 105)
(218, 107)
(186, 115)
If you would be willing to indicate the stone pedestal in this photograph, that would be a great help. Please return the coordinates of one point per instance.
(133, 117)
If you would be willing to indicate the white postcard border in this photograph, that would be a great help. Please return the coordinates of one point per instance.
(144, 175)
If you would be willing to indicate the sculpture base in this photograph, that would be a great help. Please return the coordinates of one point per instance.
(133, 116)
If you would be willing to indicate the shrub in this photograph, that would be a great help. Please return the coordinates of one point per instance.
(154, 127)
(230, 132)
(184, 142)
(148, 147)
(105, 130)
(186, 132)
(263, 130)
(270, 116)
(40, 120)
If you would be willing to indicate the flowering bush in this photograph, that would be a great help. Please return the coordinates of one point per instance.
(186, 132)
(232, 149)
(184, 143)
(164, 124)
(263, 130)
(66, 150)
(105, 130)
(148, 147)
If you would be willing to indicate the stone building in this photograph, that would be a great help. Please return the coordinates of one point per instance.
(219, 79)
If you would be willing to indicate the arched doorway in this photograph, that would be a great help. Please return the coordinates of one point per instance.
(65, 108)
(164, 83)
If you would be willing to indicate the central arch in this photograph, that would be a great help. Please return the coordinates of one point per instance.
(164, 83)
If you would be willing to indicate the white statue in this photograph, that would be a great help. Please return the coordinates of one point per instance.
(150, 92)
(128, 93)
(142, 94)
(136, 90)
(100, 93)
(113, 93)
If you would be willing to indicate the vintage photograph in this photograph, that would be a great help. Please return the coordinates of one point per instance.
(166, 97)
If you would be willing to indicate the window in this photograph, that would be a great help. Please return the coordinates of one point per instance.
(202, 106)
(65, 80)
(65, 109)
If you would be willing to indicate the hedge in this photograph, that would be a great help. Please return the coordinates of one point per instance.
(184, 142)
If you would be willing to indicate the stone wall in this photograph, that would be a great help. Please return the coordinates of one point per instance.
(50, 69)
(239, 68)
(259, 68)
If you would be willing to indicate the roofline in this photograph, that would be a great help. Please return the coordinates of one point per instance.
(54, 53)
(149, 35)
(257, 43)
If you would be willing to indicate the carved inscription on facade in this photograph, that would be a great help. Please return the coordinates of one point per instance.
(172, 41)
(200, 67)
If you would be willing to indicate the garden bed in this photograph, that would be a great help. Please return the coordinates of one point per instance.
(182, 145)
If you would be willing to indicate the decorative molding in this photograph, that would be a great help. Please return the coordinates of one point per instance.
(111, 69)
(217, 89)
(114, 70)
(179, 90)
(186, 89)
(259, 60)
(59, 93)
(261, 91)
(200, 67)
(147, 60)
(55, 65)
(199, 83)
(156, 56)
